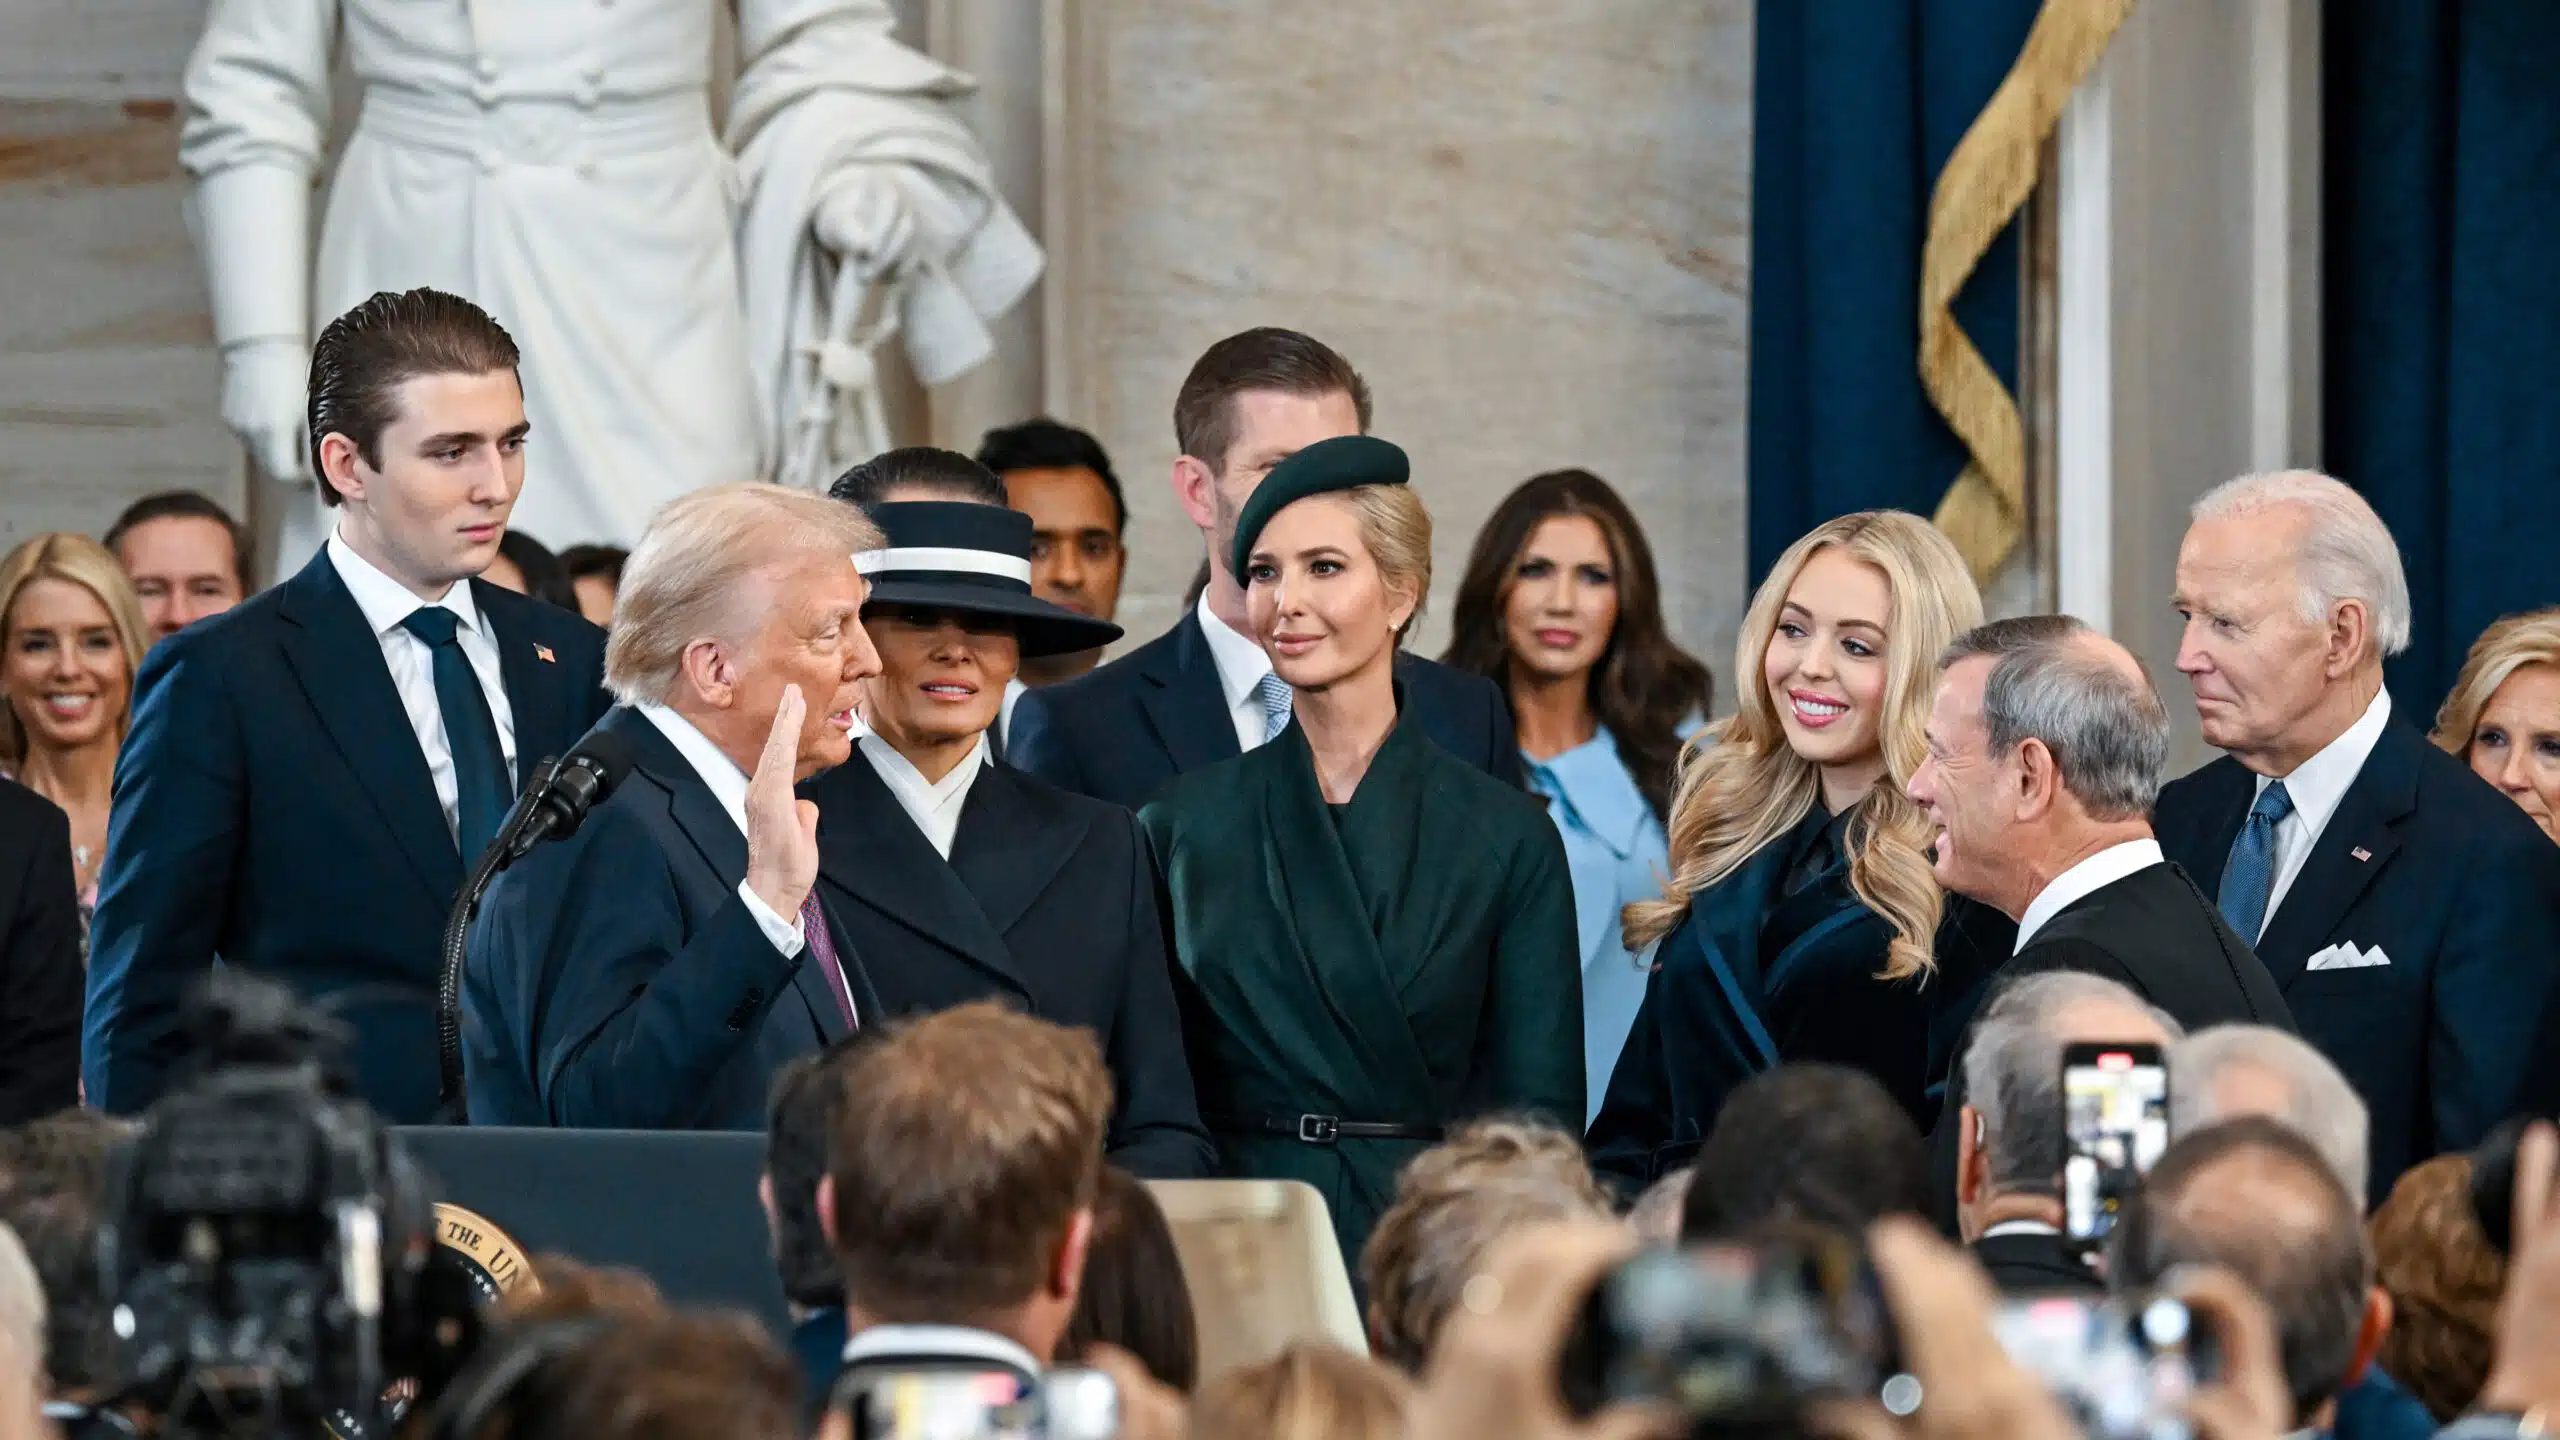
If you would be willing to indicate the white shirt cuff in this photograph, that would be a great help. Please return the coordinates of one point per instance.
(785, 934)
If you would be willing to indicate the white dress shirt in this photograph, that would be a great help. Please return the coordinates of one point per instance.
(1241, 666)
(728, 786)
(933, 804)
(2086, 878)
(2020, 1227)
(2316, 786)
(385, 603)
(1014, 690)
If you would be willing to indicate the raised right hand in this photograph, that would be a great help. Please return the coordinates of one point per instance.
(782, 829)
(264, 399)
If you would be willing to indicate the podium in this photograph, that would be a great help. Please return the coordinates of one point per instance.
(677, 1205)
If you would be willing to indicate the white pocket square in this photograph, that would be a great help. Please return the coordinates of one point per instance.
(2345, 956)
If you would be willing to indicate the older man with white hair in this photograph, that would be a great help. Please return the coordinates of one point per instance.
(2409, 912)
(657, 967)
(2225, 1071)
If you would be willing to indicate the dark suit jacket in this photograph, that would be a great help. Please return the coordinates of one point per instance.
(1122, 731)
(2459, 890)
(273, 808)
(2152, 932)
(2034, 1265)
(39, 958)
(617, 979)
(1049, 899)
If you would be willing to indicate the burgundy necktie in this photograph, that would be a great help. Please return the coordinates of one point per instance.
(822, 945)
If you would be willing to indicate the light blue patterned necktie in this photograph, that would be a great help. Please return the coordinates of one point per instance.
(2249, 876)
(1274, 693)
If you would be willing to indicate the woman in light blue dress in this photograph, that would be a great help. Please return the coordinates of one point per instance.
(1561, 607)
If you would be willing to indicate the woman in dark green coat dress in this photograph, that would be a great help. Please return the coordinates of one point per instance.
(1375, 939)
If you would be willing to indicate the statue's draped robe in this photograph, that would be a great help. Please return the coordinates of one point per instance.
(1410, 957)
(556, 163)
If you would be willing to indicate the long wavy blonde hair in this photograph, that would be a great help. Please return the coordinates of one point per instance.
(81, 561)
(2532, 638)
(1742, 786)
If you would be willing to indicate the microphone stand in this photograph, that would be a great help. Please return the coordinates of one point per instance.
(457, 926)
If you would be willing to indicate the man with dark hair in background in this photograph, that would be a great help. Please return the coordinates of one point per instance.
(1807, 1144)
(1061, 477)
(960, 1192)
(1205, 691)
(309, 774)
(187, 556)
(2254, 1197)
(808, 1096)
(595, 576)
(53, 1179)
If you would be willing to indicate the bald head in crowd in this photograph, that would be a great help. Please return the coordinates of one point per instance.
(2010, 1138)
(2256, 1198)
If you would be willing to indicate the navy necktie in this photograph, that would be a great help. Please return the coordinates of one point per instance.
(2249, 876)
(482, 790)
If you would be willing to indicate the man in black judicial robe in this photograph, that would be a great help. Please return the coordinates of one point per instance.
(958, 878)
(2046, 743)
(1201, 692)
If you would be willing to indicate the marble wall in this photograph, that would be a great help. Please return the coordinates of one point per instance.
(1526, 222)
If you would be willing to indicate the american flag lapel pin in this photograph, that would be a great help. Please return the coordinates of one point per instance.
(2359, 852)
(543, 653)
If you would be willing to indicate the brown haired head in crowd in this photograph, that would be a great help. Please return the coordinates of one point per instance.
(1135, 1295)
(1499, 1147)
(617, 1364)
(1265, 358)
(1643, 686)
(366, 355)
(973, 1181)
(2444, 1279)
(1313, 1390)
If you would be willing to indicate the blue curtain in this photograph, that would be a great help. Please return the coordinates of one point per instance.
(1857, 104)
(2441, 321)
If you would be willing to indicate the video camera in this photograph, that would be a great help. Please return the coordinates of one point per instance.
(1740, 1336)
(269, 1249)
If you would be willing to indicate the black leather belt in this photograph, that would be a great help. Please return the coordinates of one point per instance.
(1326, 1129)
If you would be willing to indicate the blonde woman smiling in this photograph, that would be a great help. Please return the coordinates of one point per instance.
(1802, 922)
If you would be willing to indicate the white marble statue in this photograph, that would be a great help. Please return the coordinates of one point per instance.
(693, 307)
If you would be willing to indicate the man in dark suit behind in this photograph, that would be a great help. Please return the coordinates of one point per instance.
(2045, 746)
(2011, 1139)
(1204, 691)
(2409, 911)
(39, 958)
(657, 967)
(308, 773)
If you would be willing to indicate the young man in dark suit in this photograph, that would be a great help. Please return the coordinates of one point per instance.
(2045, 746)
(654, 969)
(309, 774)
(2410, 913)
(1204, 691)
(959, 878)
(39, 958)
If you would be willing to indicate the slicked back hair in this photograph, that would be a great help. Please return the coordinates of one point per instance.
(2107, 730)
(367, 354)
(1265, 358)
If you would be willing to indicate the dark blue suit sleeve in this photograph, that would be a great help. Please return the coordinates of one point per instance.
(637, 1016)
(164, 894)
(40, 977)
(1635, 1115)
(1037, 743)
(2493, 984)
(1156, 1134)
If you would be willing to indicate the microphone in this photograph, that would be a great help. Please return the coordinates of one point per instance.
(555, 807)
(552, 807)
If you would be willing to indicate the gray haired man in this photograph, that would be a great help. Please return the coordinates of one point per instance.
(2046, 743)
(2011, 1140)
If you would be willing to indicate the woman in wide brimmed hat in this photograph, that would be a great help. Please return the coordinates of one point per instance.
(958, 878)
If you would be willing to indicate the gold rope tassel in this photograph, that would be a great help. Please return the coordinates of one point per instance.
(1984, 183)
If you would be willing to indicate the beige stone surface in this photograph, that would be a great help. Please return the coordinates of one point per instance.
(1527, 222)
(107, 379)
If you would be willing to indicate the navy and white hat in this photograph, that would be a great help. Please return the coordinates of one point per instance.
(947, 555)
